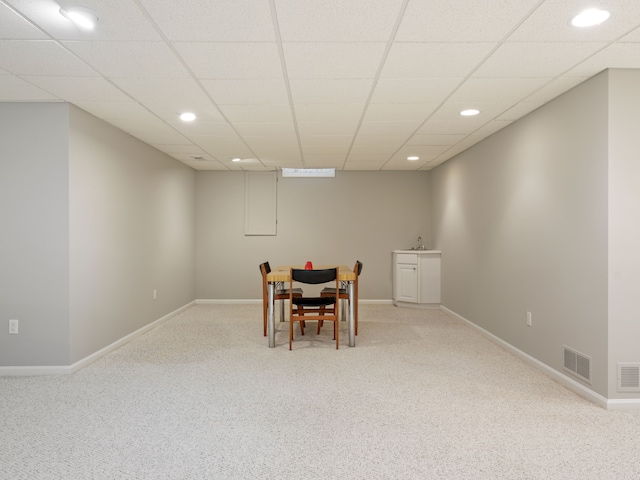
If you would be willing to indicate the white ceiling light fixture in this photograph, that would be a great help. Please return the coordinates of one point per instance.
(81, 16)
(469, 112)
(236, 160)
(590, 17)
(187, 117)
(413, 158)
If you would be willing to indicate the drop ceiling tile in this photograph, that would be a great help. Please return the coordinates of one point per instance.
(330, 91)
(202, 129)
(193, 157)
(160, 135)
(181, 149)
(389, 128)
(404, 165)
(449, 127)
(497, 89)
(283, 163)
(205, 165)
(183, 93)
(113, 110)
(385, 139)
(247, 91)
(257, 113)
(633, 36)
(333, 59)
(520, 110)
(306, 129)
(352, 21)
(328, 148)
(377, 112)
(363, 166)
(551, 22)
(16, 27)
(121, 20)
(170, 111)
(266, 129)
(130, 59)
(426, 153)
(620, 55)
(223, 147)
(448, 140)
(324, 161)
(15, 89)
(425, 60)
(80, 89)
(450, 111)
(368, 157)
(414, 90)
(232, 60)
(555, 88)
(446, 20)
(41, 57)
(284, 141)
(381, 151)
(277, 154)
(213, 20)
(535, 59)
(344, 112)
(341, 141)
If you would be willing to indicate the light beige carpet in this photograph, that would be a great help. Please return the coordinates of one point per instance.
(421, 396)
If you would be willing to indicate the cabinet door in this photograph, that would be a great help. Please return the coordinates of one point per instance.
(430, 279)
(406, 283)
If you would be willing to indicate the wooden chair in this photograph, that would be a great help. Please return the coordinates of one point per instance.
(323, 308)
(279, 294)
(344, 294)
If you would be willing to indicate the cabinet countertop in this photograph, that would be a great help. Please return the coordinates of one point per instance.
(405, 250)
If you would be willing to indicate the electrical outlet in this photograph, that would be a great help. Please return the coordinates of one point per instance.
(13, 327)
(529, 321)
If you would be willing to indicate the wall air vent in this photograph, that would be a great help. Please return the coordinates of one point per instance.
(629, 377)
(577, 364)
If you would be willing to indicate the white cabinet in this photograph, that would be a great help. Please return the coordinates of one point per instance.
(416, 279)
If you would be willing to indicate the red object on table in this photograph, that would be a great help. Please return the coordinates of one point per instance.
(308, 266)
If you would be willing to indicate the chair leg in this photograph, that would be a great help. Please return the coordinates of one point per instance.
(264, 317)
(336, 331)
(290, 333)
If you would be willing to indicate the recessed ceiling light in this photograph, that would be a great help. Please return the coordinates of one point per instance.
(81, 16)
(470, 112)
(187, 117)
(414, 158)
(590, 17)
(236, 159)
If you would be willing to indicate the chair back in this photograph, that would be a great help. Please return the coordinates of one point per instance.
(357, 268)
(314, 276)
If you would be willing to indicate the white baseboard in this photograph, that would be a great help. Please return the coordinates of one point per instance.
(68, 369)
(571, 384)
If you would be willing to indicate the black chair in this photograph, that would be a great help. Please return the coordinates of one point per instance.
(344, 294)
(279, 294)
(302, 309)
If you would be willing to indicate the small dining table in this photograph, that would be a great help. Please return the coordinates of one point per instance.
(282, 274)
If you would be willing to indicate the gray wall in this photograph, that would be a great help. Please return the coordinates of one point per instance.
(132, 231)
(523, 221)
(356, 215)
(624, 222)
(34, 238)
(93, 221)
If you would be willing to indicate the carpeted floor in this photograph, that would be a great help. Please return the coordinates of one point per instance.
(421, 396)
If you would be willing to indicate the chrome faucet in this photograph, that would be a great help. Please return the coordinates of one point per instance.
(420, 244)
